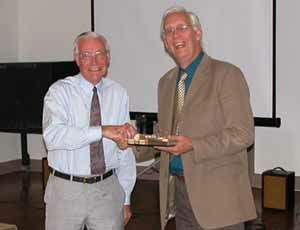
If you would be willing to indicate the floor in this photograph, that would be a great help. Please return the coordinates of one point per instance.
(21, 203)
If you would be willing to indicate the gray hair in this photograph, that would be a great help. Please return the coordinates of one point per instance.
(194, 20)
(90, 34)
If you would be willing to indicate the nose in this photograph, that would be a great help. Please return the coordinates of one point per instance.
(93, 58)
(175, 33)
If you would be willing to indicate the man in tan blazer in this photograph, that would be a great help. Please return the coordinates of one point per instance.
(204, 177)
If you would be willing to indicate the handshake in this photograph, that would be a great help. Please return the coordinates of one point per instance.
(119, 134)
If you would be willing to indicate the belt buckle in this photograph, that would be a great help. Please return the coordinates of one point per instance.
(85, 180)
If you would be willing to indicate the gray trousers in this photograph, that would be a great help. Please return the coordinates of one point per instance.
(71, 205)
(185, 218)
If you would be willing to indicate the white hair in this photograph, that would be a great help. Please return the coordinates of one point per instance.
(90, 34)
(194, 20)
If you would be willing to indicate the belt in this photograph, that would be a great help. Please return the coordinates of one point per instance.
(179, 176)
(85, 180)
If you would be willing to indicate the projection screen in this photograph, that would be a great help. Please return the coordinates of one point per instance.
(236, 31)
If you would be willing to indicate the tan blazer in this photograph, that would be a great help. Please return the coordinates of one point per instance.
(217, 116)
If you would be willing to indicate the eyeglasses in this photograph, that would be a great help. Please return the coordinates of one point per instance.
(179, 29)
(87, 56)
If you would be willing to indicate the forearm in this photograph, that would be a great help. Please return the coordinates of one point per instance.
(70, 138)
(60, 131)
(126, 173)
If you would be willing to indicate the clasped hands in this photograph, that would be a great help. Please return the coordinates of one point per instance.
(119, 134)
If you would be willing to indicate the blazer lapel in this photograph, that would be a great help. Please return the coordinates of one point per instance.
(168, 100)
(200, 78)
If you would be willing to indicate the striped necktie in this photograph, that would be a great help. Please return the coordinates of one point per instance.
(96, 148)
(180, 99)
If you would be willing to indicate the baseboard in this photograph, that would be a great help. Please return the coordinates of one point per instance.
(10, 166)
(144, 173)
(16, 165)
(256, 181)
(297, 183)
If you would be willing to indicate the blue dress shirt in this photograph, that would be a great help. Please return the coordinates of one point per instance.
(67, 134)
(176, 166)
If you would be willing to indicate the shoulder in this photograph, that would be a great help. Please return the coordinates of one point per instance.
(225, 69)
(168, 76)
(63, 88)
(68, 82)
(112, 86)
(228, 76)
(220, 72)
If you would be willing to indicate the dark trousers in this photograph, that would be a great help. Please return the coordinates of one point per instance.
(185, 218)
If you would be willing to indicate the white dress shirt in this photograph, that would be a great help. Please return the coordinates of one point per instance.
(66, 131)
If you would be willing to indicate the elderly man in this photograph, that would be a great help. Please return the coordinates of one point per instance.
(204, 105)
(85, 130)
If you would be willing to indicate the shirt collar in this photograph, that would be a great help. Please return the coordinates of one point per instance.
(191, 68)
(87, 86)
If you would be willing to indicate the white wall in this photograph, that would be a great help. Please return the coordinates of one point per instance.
(250, 35)
(46, 33)
(36, 147)
(10, 147)
(47, 28)
(274, 146)
(281, 147)
(40, 31)
(9, 30)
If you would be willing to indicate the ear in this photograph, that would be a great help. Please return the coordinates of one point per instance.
(76, 58)
(166, 44)
(108, 58)
(198, 32)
